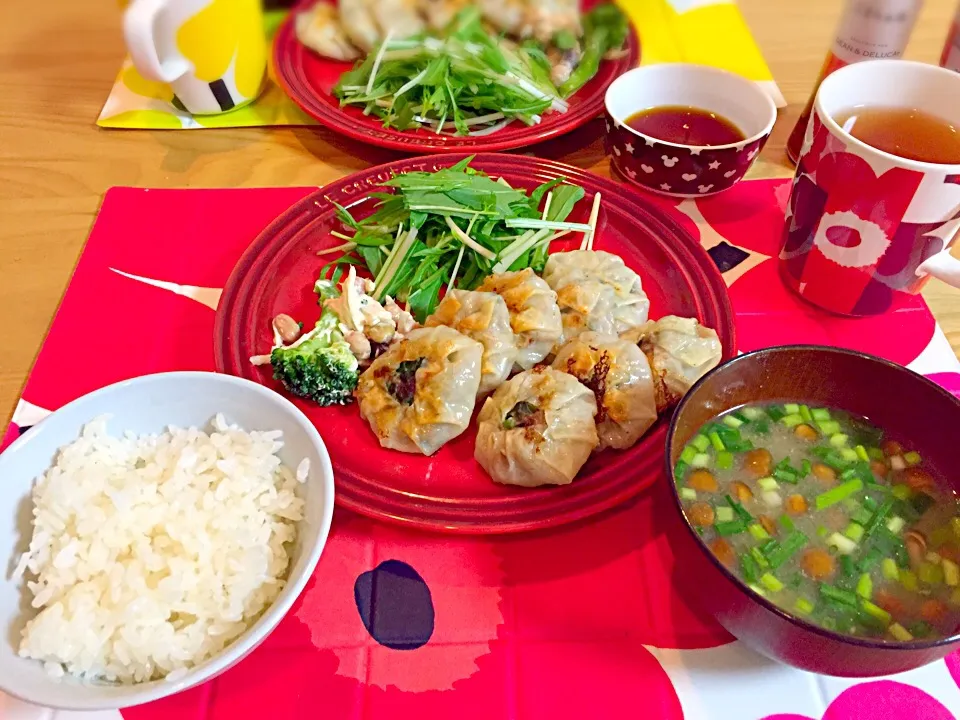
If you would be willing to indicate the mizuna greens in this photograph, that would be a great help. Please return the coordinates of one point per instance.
(451, 228)
(469, 82)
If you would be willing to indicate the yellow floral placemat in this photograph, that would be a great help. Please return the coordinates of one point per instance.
(710, 32)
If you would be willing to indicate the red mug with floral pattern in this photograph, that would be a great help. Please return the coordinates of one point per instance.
(866, 228)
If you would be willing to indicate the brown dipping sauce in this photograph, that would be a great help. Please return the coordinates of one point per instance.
(686, 125)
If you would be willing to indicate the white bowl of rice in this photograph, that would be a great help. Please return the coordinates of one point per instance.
(153, 533)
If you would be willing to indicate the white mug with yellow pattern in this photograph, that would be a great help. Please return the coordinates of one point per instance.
(211, 52)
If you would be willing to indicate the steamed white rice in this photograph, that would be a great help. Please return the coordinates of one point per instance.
(152, 553)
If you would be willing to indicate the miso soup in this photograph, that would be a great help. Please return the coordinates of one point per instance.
(819, 512)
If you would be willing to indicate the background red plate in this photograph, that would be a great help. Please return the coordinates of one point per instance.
(449, 491)
(308, 80)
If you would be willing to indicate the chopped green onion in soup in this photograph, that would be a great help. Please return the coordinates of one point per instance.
(824, 515)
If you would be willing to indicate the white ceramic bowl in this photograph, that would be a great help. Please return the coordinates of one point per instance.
(680, 170)
(149, 404)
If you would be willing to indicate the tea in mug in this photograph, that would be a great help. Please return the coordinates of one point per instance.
(686, 126)
(908, 133)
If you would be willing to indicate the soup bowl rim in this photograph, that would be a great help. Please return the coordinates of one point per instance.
(616, 87)
(763, 601)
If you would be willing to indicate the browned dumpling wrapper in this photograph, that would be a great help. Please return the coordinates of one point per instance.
(319, 28)
(619, 375)
(597, 292)
(482, 316)
(680, 351)
(440, 13)
(421, 392)
(534, 315)
(537, 429)
(399, 19)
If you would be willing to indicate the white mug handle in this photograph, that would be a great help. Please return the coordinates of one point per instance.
(942, 266)
(139, 29)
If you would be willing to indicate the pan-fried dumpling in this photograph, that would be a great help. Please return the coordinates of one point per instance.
(440, 13)
(534, 315)
(356, 18)
(537, 429)
(320, 30)
(398, 18)
(596, 291)
(482, 316)
(619, 375)
(680, 351)
(421, 392)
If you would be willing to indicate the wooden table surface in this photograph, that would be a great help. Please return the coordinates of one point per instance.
(58, 60)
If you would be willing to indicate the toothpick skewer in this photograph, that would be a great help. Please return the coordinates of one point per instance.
(587, 243)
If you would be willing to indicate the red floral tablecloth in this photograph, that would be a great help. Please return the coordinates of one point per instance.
(582, 622)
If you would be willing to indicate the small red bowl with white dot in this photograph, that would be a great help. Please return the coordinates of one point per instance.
(670, 168)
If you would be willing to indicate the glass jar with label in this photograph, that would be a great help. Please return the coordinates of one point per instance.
(868, 30)
(951, 50)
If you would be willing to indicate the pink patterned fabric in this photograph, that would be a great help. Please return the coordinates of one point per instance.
(881, 700)
(953, 665)
(949, 381)
(547, 625)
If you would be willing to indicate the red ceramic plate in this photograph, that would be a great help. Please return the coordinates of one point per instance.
(308, 80)
(450, 491)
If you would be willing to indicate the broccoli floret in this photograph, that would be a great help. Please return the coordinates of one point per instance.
(320, 366)
(326, 290)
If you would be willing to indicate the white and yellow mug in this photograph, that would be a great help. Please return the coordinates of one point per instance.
(211, 52)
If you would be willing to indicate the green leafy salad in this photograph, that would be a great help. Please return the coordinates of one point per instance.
(452, 228)
(466, 81)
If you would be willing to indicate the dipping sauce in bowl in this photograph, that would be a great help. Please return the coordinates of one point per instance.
(686, 130)
(686, 125)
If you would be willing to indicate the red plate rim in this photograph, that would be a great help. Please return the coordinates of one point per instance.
(508, 514)
(290, 75)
